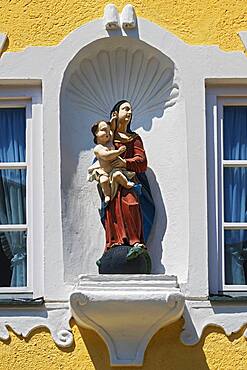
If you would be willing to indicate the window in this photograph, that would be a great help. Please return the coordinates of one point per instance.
(13, 173)
(227, 189)
(20, 192)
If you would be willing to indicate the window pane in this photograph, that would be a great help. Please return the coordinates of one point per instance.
(13, 247)
(236, 257)
(12, 197)
(13, 135)
(235, 132)
(235, 194)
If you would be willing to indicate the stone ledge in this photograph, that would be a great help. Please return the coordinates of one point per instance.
(126, 311)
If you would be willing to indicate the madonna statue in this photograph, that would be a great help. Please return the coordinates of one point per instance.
(128, 216)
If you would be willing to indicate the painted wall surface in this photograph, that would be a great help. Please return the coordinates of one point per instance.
(165, 352)
(39, 23)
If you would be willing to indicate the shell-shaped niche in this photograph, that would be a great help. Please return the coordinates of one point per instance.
(144, 79)
(101, 74)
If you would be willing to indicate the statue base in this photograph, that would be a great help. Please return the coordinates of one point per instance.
(115, 261)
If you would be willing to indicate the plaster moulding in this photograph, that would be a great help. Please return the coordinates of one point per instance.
(126, 311)
(111, 17)
(24, 320)
(128, 17)
(131, 72)
(229, 316)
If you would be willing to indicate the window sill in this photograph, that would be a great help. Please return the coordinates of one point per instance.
(229, 297)
(23, 302)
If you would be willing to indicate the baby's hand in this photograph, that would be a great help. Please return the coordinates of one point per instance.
(122, 149)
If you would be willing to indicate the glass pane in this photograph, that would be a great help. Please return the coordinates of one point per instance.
(235, 194)
(236, 257)
(13, 135)
(12, 197)
(235, 132)
(13, 264)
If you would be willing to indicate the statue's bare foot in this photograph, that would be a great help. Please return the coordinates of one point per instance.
(107, 199)
(141, 245)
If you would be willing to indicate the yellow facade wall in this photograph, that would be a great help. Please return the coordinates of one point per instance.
(42, 22)
(165, 352)
(46, 23)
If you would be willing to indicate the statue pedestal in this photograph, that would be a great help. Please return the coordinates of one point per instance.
(115, 261)
(126, 311)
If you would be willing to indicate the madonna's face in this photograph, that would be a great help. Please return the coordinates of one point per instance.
(125, 113)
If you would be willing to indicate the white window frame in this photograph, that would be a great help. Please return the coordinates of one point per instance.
(216, 99)
(28, 97)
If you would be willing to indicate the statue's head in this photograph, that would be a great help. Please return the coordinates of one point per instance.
(124, 111)
(102, 133)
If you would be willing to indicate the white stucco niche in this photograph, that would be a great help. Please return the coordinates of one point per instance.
(101, 74)
(123, 65)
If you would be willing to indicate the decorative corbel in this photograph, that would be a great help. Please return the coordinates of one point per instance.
(128, 17)
(111, 17)
(126, 311)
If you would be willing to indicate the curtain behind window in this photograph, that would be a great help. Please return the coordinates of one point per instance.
(235, 192)
(13, 189)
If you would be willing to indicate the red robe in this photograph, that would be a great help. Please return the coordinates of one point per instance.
(123, 219)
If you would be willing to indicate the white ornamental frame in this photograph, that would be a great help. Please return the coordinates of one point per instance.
(195, 64)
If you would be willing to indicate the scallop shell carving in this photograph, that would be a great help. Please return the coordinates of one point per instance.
(147, 81)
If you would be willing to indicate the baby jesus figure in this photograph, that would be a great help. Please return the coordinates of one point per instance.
(102, 171)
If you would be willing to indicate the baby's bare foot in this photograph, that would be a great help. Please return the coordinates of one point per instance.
(107, 199)
(130, 184)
